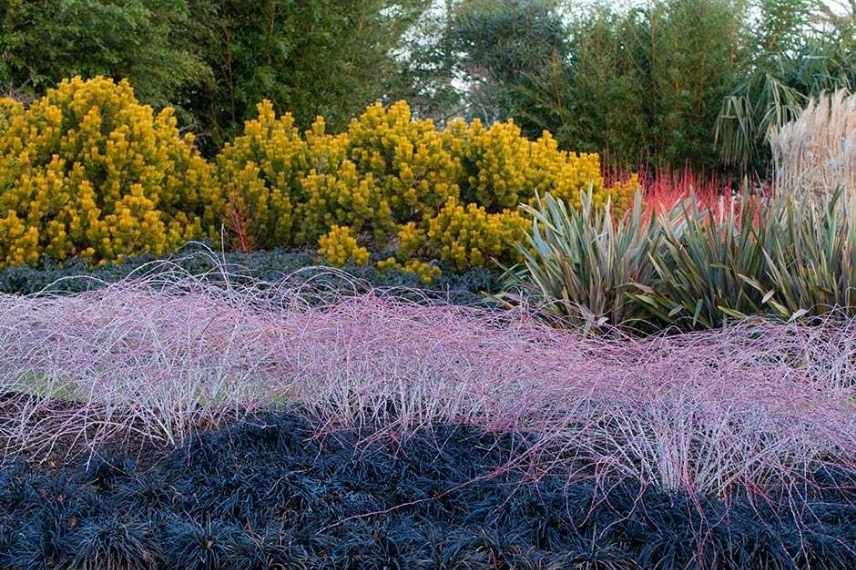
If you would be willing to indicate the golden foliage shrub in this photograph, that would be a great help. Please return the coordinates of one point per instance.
(88, 171)
(339, 246)
(495, 162)
(400, 185)
(504, 169)
(425, 271)
(415, 170)
(468, 236)
(259, 173)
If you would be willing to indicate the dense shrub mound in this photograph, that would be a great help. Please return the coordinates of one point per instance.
(397, 187)
(88, 171)
(269, 494)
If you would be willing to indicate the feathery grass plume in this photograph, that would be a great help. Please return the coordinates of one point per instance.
(816, 153)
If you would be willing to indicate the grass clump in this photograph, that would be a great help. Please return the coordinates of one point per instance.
(155, 362)
(694, 265)
(815, 154)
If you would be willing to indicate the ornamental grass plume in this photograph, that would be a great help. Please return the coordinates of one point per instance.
(816, 154)
(155, 360)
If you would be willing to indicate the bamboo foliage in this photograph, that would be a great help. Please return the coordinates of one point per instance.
(761, 104)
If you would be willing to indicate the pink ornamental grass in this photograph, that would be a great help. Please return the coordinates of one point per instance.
(746, 406)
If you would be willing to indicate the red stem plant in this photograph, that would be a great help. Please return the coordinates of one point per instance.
(663, 189)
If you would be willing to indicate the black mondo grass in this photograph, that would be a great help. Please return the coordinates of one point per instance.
(269, 494)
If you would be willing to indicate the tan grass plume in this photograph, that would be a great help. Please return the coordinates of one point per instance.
(816, 153)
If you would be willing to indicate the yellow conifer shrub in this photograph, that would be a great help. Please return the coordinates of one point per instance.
(88, 171)
(469, 236)
(411, 239)
(393, 183)
(495, 160)
(564, 175)
(425, 271)
(415, 171)
(260, 173)
(503, 169)
(339, 246)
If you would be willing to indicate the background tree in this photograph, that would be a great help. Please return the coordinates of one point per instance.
(638, 85)
(693, 50)
(595, 99)
(667, 83)
(326, 57)
(429, 75)
(502, 45)
(45, 41)
(796, 51)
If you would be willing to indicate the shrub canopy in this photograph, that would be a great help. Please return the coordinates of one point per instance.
(401, 186)
(87, 171)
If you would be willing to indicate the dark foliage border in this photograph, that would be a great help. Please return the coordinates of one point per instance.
(267, 494)
(468, 288)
